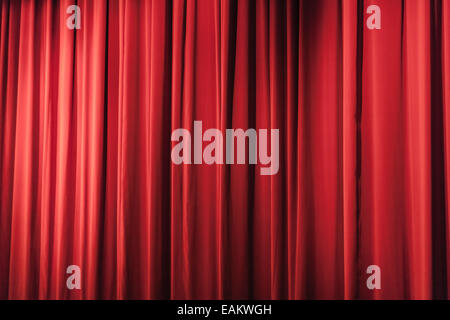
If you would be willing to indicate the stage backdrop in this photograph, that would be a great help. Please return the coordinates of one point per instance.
(86, 116)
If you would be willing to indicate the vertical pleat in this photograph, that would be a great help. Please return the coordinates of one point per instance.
(187, 118)
(46, 148)
(110, 255)
(177, 254)
(65, 162)
(300, 238)
(89, 88)
(9, 85)
(22, 276)
(351, 60)
(261, 257)
(121, 124)
(382, 152)
(321, 195)
(291, 74)
(417, 103)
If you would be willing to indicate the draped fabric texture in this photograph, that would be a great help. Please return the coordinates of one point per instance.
(86, 176)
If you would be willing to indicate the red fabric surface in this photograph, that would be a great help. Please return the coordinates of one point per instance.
(87, 179)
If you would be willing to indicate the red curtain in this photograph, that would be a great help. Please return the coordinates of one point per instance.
(85, 140)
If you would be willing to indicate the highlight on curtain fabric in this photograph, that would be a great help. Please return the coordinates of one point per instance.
(341, 192)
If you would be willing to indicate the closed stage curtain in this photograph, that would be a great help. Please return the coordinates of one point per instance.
(86, 176)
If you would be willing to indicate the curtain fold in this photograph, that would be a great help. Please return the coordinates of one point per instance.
(86, 176)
